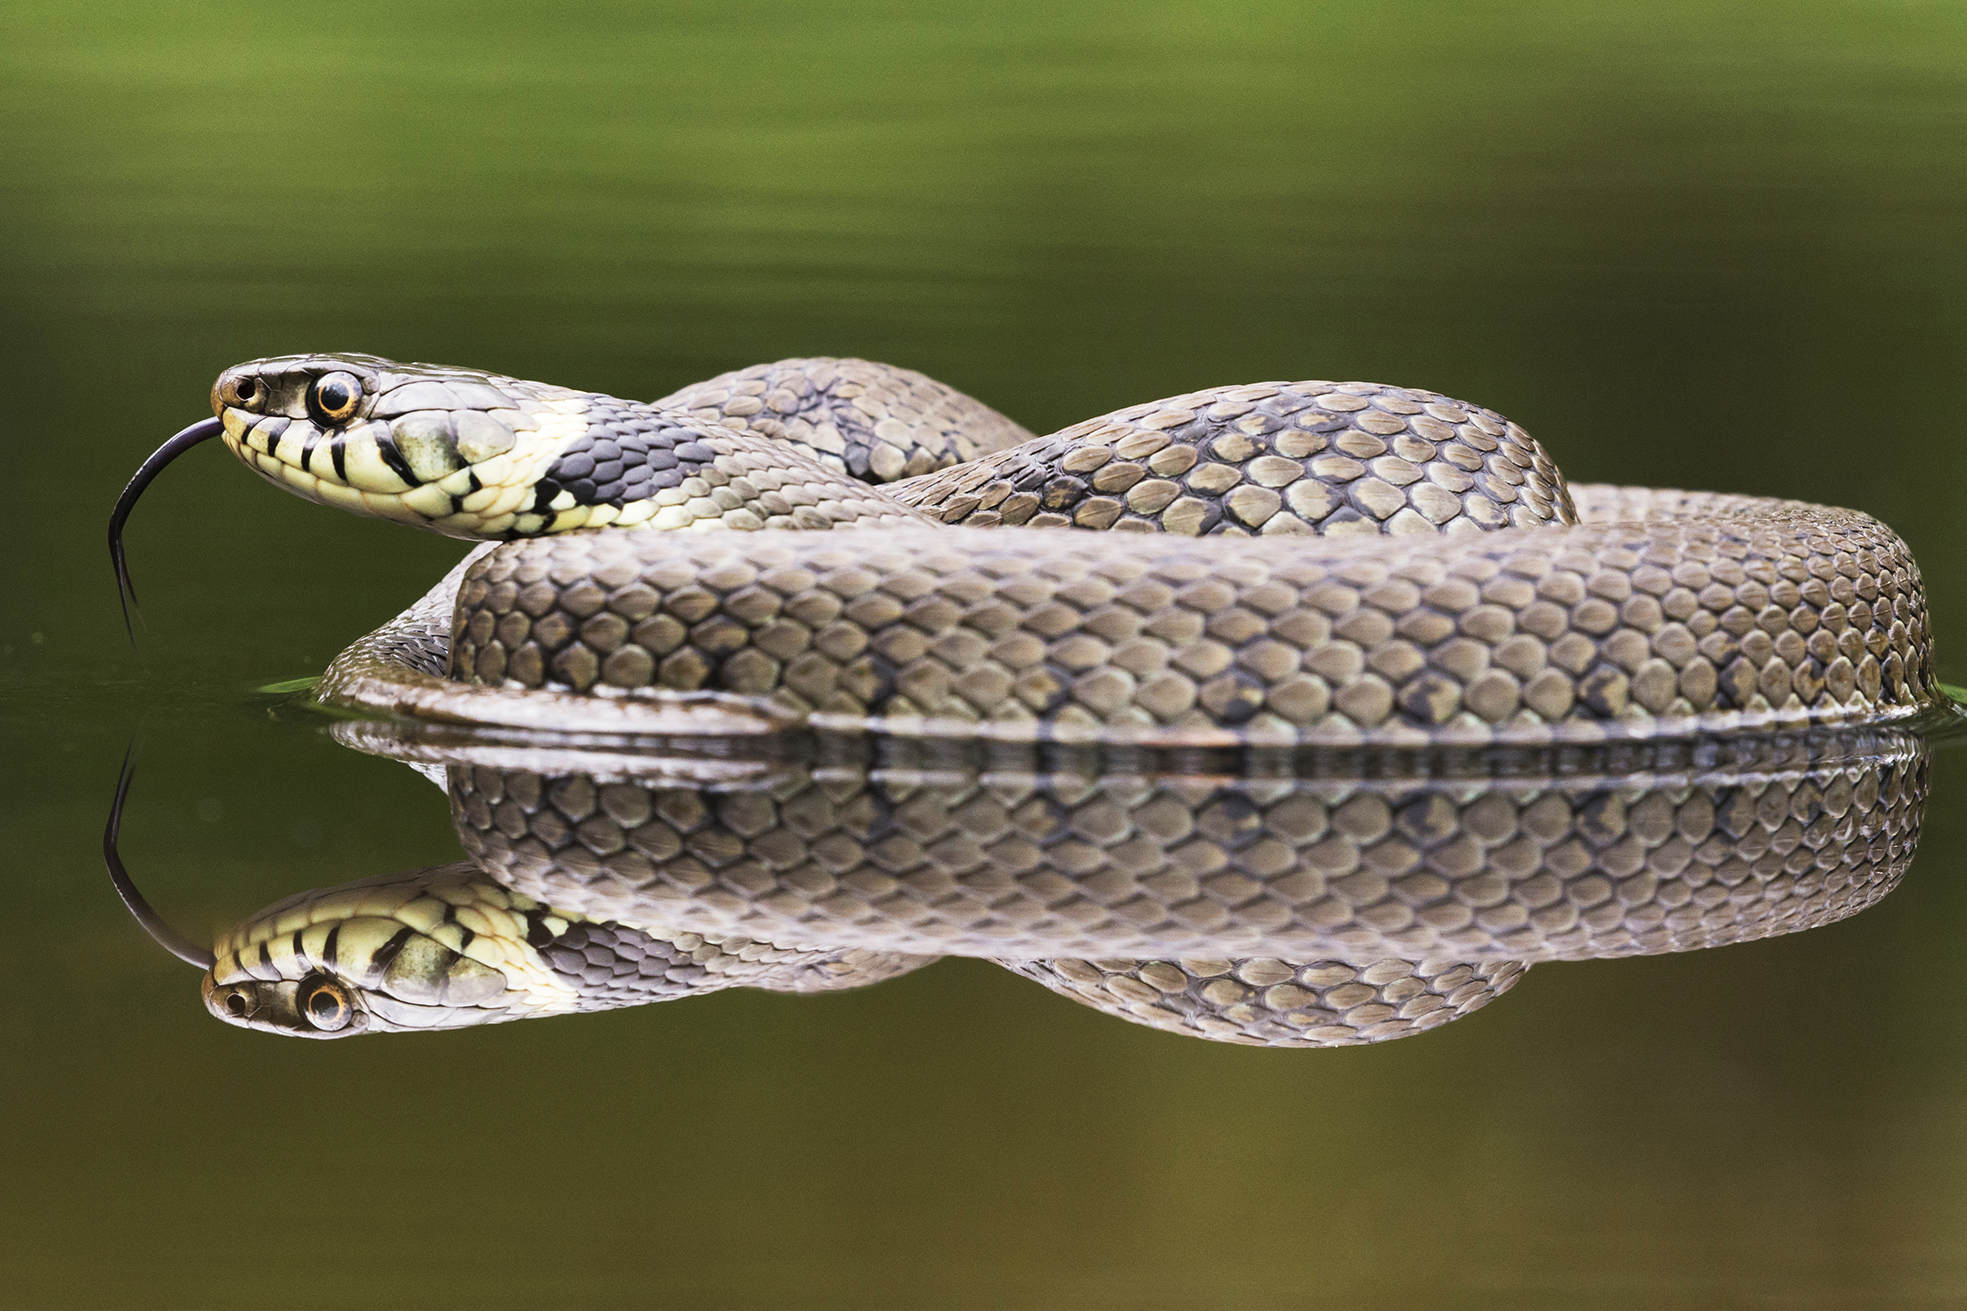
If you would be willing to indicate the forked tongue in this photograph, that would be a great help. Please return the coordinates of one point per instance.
(203, 430)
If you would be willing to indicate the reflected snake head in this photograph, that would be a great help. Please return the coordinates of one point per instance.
(456, 451)
(441, 948)
(318, 1006)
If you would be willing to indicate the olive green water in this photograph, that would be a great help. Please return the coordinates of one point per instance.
(1683, 244)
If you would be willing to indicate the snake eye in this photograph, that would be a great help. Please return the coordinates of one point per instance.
(324, 1003)
(334, 396)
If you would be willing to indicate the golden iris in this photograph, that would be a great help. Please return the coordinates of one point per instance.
(325, 1004)
(334, 396)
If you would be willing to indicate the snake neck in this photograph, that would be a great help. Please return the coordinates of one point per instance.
(479, 455)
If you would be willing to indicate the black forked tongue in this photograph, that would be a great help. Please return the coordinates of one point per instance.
(203, 430)
(166, 937)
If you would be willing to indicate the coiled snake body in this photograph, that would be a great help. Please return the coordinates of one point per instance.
(1282, 565)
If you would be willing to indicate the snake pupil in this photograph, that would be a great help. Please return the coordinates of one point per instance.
(334, 396)
(325, 1005)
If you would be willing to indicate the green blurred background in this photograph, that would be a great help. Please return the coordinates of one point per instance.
(1684, 243)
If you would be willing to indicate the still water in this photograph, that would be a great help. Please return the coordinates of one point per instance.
(1683, 246)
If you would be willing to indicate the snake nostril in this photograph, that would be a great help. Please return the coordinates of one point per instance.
(245, 392)
(236, 1004)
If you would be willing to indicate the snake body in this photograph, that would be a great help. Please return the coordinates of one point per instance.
(1282, 562)
(1282, 565)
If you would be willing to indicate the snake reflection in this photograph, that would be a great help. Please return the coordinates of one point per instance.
(1262, 904)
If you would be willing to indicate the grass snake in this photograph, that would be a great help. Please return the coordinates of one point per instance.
(1278, 566)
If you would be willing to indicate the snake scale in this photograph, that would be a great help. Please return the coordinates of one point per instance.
(1272, 567)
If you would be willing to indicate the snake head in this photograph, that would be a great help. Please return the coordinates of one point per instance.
(456, 451)
(319, 1006)
(440, 948)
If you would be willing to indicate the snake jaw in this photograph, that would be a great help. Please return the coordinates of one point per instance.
(273, 1007)
(455, 451)
(449, 947)
(441, 948)
(277, 1005)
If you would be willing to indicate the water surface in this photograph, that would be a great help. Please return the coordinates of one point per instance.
(1681, 245)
